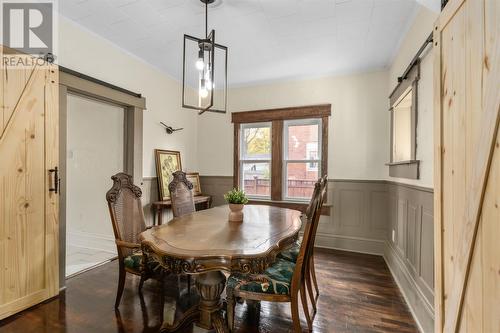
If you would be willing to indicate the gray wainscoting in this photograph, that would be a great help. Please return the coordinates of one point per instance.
(365, 215)
(149, 195)
(358, 221)
(358, 217)
(410, 248)
(215, 186)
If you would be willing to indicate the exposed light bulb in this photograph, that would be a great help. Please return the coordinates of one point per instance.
(200, 64)
(203, 89)
(208, 83)
(203, 92)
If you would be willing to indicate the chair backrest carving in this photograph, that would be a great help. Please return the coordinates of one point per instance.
(125, 208)
(181, 194)
(323, 182)
(323, 188)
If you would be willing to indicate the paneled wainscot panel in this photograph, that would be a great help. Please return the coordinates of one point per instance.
(410, 255)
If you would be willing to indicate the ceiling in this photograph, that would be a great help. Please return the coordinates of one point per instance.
(267, 39)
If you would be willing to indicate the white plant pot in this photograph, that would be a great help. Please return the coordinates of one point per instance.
(236, 213)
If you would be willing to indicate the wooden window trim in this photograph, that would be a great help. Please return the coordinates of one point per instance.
(406, 169)
(276, 163)
(277, 117)
(295, 112)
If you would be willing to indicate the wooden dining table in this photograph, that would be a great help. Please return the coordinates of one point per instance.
(206, 244)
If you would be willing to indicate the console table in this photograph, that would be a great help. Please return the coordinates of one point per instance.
(159, 206)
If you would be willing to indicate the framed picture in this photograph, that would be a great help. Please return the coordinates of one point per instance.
(194, 178)
(167, 162)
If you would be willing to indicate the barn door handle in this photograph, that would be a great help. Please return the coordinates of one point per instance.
(55, 173)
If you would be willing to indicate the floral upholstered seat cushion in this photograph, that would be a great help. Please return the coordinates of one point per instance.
(134, 261)
(276, 279)
(292, 252)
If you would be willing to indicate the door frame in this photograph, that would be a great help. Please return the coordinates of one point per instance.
(71, 82)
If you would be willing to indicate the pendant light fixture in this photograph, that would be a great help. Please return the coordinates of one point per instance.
(204, 71)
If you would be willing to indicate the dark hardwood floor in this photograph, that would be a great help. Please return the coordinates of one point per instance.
(358, 294)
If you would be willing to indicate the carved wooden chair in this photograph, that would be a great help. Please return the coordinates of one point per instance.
(284, 280)
(181, 195)
(310, 265)
(292, 253)
(127, 217)
(324, 186)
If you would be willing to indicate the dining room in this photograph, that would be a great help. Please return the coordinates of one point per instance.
(249, 166)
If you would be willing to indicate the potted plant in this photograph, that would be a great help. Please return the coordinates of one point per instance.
(236, 200)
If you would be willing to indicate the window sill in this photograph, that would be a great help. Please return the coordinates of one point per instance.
(297, 205)
(404, 169)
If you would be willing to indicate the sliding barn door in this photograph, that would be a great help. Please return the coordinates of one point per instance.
(467, 167)
(28, 210)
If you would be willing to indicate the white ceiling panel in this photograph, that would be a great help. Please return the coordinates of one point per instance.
(73, 10)
(280, 8)
(267, 39)
(354, 10)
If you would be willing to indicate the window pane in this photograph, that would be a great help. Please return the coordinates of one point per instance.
(402, 129)
(303, 142)
(256, 143)
(300, 180)
(256, 179)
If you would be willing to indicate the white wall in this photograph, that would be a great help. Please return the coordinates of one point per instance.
(94, 152)
(86, 52)
(417, 34)
(358, 128)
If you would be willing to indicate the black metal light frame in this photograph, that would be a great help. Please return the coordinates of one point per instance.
(201, 42)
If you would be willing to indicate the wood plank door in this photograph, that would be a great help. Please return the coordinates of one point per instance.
(467, 167)
(28, 210)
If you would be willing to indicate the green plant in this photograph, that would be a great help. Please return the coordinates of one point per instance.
(236, 196)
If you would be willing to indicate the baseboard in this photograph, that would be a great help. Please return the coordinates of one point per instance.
(352, 244)
(91, 268)
(422, 311)
(92, 241)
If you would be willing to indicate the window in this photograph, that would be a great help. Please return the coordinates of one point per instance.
(280, 153)
(312, 154)
(403, 101)
(401, 147)
(255, 161)
(301, 157)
